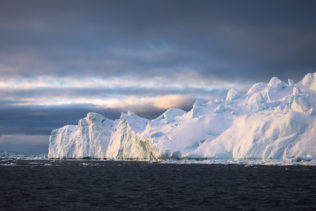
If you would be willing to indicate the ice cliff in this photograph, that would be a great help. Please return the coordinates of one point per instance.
(276, 120)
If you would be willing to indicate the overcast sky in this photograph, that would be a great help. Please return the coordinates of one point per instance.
(61, 59)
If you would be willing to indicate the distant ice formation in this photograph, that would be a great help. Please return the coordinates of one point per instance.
(274, 121)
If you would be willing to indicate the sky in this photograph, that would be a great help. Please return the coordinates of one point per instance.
(62, 59)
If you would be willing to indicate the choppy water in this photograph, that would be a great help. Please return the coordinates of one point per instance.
(101, 185)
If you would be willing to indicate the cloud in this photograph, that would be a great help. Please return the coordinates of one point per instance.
(41, 120)
(115, 93)
(19, 139)
(173, 101)
(245, 40)
(40, 94)
(32, 144)
(37, 105)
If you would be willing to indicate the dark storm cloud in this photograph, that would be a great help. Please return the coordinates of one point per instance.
(250, 40)
(41, 120)
(36, 120)
(33, 144)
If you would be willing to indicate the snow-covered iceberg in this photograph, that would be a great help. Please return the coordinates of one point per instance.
(270, 121)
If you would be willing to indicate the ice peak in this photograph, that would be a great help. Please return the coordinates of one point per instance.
(197, 107)
(290, 82)
(275, 82)
(232, 94)
(257, 87)
(131, 113)
(173, 111)
(256, 102)
(91, 116)
(308, 79)
(136, 122)
(170, 114)
(199, 101)
(128, 115)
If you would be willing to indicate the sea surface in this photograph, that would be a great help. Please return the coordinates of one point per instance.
(130, 185)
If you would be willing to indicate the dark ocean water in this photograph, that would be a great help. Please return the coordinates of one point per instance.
(106, 185)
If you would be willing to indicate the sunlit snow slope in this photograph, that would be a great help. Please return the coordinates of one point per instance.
(271, 121)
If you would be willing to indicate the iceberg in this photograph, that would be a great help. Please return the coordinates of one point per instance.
(271, 121)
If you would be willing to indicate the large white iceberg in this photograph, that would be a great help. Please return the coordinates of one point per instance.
(270, 121)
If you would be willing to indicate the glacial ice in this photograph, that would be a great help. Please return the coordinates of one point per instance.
(273, 121)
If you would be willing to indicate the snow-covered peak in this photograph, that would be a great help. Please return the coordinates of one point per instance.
(309, 81)
(232, 94)
(290, 82)
(275, 82)
(198, 102)
(136, 123)
(257, 87)
(170, 114)
(256, 102)
(199, 107)
(95, 117)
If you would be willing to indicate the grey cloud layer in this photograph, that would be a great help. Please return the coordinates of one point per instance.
(100, 93)
(251, 40)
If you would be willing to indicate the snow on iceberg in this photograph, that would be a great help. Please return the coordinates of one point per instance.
(273, 121)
